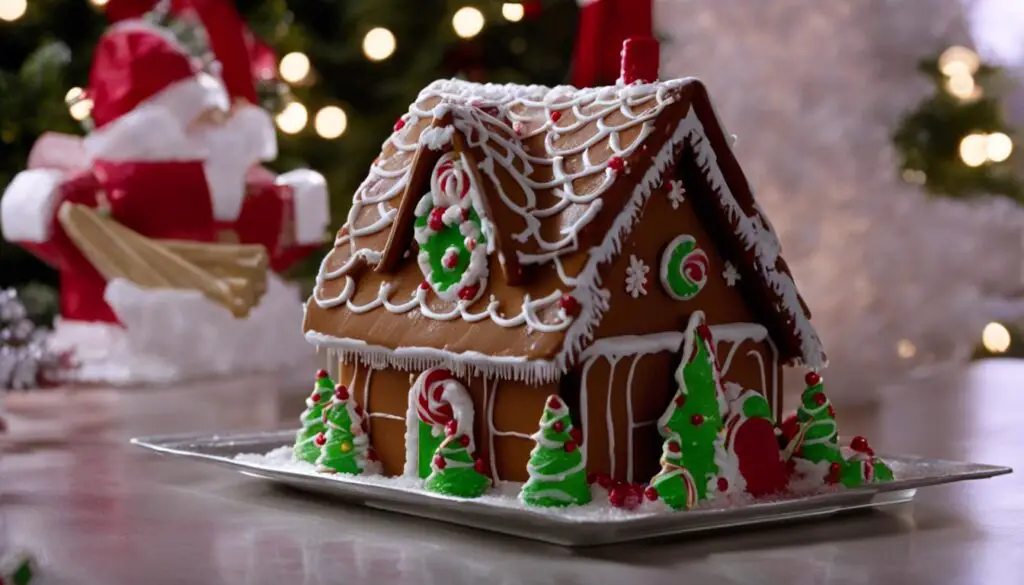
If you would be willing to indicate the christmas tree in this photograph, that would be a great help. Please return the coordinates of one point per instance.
(454, 472)
(819, 435)
(694, 417)
(346, 447)
(674, 484)
(311, 437)
(557, 471)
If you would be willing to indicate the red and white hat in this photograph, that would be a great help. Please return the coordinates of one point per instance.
(138, 64)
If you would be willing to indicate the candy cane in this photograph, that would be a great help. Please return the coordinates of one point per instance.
(684, 268)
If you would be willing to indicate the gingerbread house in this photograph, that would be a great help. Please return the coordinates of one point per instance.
(512, 242)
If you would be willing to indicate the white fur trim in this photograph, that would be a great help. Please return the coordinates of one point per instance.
(257, 124)
(311, 205)
(227, 189)
(147, 133)
(28, 205)
(188, 98)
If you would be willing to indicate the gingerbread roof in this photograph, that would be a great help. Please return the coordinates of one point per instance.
(564, 174)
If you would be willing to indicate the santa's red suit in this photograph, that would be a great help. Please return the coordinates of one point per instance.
(159, 169)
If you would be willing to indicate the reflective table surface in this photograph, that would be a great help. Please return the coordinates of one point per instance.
(94, 509)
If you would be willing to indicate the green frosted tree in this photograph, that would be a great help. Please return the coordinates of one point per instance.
(346, 446)
(454, 471)
(674, 484)
(694, 417)
(556, 467)
(310, 437)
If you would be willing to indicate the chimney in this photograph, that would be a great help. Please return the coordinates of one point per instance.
(639, 60)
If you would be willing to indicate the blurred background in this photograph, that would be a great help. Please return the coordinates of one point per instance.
(879, 135)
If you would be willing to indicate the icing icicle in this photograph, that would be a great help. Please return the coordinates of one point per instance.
(556, 466)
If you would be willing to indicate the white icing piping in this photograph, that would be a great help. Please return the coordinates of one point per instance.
(492, 431)
(609, 421)
(752, 231)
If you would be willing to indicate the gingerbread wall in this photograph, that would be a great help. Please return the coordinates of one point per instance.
(621, 396)
(505, 414)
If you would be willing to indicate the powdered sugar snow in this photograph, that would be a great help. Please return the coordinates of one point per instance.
(175, 335)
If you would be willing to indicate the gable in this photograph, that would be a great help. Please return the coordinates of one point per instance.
(529, 331)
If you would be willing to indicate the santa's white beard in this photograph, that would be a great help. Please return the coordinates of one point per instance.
(228, 151)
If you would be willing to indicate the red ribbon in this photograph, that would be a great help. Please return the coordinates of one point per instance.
(603, 26)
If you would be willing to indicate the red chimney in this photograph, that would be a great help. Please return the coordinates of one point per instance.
(639, 60)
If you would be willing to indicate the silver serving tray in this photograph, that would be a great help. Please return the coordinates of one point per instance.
(562, 529)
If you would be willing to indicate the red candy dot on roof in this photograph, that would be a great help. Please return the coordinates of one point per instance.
(399, 124)
(341, 392)
(468, 293)
(569, 304)
(321, 374)
(616, 164)
(555, 116)
(812, 378)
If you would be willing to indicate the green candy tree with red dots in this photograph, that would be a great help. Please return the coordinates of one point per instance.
(454, 470)
(346, 445)
(310, 437)
(694, 417)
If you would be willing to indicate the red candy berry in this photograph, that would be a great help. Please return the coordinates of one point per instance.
(624, 496)
(576, 435)
(425, 285)
(315, 397)
(341, 392)
(812, 378)
(790, 427)
(697, 419)
(436, 220)
(833, 474)
(819, 399)
(570, 447)
(464, 440)
(451, 427)
(616, 164)
(602, 479)
(723, 484)
(451, 261)
(559, 426)
(439, 462)
(399, 124)
(651, 493)
(554, 403)
(321, 374)
(680, 400)
(831, 411)
(320, 439)
(570, 305)
(468, 293)
(478, 465)
(673, 447)
(555, 116)
(860, 444)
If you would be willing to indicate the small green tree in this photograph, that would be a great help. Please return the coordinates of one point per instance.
(346, 446)
(674, 484)
(310, 437)
(454, 471)
(694, 417)
(556, 467)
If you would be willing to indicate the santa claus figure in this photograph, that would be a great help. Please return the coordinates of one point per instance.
(168, 157)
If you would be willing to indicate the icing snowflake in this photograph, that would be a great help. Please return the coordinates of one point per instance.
(636, 277)
(677, 194)
(730, 274)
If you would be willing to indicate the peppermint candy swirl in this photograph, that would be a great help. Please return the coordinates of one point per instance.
(431, 407)
(449, 184)
(684, 268)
